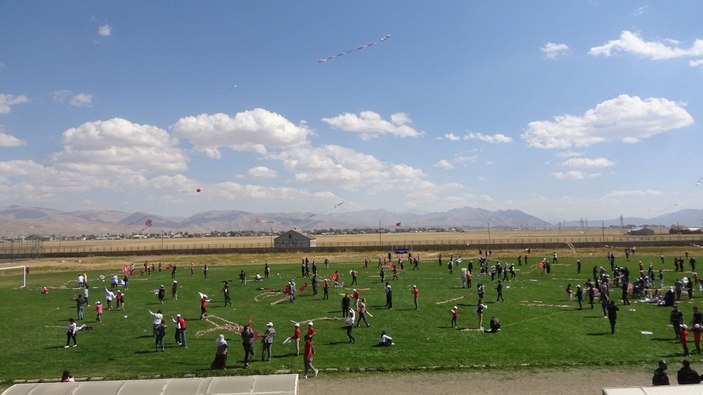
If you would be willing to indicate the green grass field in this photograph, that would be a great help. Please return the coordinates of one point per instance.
(538, 331)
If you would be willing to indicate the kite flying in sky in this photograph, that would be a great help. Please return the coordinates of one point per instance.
(147, 224)
(382, 39)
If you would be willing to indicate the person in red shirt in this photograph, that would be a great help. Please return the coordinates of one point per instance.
(296, 337)
(684, 338)
(455, 315)
(307, 356)
(180, 330)
(355, 296)
(311, 330)
(203, 307)
(416, 293)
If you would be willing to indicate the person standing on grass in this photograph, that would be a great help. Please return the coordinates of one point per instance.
(120, 300)
(157, 319)
(346, 302)
(355, 296)
(612, 315)
(389, 296)
(307, 357)
(174, 290)
(362, 312)
(173, 271)
(350, 325)
(579, 296)
(221, 346)
(181, 330)
(481, 290)
(161, 294)
(499, 290)
(267, 341)
(326, 289)
(591, 291)
(192, 269)
(205, 270)
(159, 338)
(80, 302)
(98, 311)
(480, 308)
(311, 330)
(353, 276)
(109, 297)
(247, 343)
(675, 319)
(71, 330)
(416, 293)
(203, 306)
(296, 338)
(225, 292)
(684, 339)
(455, 315)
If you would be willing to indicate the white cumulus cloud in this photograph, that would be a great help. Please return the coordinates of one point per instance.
(486, 138)
(370, 124)
(256, 130)
(119, 147)
(630, 42)
(625, 118)
(7, 101)
(262, 172)
(451, 137)
(588, 163)
(569, 175)
(81, 100)
(444, 164)
(552, 50)
(8, 140)
(105, 30)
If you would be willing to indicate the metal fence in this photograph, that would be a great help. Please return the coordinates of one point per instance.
(36, 249)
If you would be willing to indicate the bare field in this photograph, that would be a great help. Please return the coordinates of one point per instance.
(370, 239)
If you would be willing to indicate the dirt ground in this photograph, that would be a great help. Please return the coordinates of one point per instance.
(570, 381)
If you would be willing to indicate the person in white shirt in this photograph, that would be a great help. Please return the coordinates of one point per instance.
(109, 297)
(72, 328)
(385, 340)
(351, 316)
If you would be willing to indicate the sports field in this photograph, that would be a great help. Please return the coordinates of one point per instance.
(541, 327)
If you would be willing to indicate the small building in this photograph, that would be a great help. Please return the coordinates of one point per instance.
(294, 239)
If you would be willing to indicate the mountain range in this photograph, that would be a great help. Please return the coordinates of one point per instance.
(22, 221)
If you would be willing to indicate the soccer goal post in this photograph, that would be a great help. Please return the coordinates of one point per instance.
(24, 273)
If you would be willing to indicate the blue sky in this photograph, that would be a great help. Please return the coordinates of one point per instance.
(561, 109)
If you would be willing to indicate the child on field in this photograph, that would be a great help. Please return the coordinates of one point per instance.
(455, 315)
(98, 311)
(684, 339)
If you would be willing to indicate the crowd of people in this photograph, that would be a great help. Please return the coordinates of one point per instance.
(647, 284)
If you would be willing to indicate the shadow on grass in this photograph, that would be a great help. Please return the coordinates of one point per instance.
(598, 333)
(662, 339)
(53, 347)
(339, 342)
(594, 316)
(146, 352)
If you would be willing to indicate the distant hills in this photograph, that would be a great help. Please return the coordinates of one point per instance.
(23, 221)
